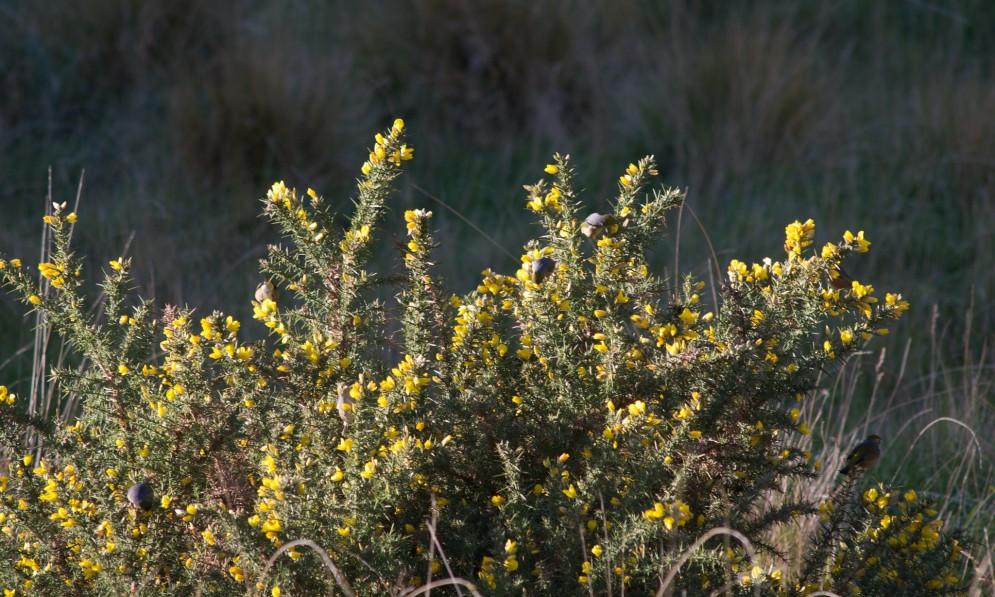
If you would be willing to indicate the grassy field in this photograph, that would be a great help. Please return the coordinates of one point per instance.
(873, 116)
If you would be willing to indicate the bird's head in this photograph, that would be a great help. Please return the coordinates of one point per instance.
(874, 439)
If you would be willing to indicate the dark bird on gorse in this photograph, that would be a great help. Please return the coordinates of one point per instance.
(864, 455)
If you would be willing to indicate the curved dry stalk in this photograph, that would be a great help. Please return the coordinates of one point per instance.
(443, 582)
(340, 579)
(922, 432)
(982, 569)
(701, 541)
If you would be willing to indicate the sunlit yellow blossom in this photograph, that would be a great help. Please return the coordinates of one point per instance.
(798, 236)
(862, 245)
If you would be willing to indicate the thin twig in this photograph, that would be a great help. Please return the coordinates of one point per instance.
(79, 195)
(604, 537)
(462, 217)
(704, 232)
(42, 334)
(431, 546)
(583, 548)
(435, 541)
(677, 247)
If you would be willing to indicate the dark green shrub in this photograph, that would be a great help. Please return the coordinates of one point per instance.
(580, 426)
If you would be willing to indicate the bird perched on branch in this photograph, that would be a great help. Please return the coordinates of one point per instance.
(345, 404)
(267, 290)
(594, 224)
(542, 269)
(864, 455)
(840, 279)
(140, 494)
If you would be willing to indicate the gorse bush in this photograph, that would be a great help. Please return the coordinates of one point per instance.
(580, 426)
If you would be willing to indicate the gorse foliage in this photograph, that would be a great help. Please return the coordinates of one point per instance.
(573, 428)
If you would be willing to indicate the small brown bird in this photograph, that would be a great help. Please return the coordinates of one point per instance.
(864, 455)
(592, 226)
(267, 290)
(840, 279)
(345, 404)
(542, 269)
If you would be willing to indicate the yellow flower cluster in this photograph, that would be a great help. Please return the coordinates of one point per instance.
(355, 238)
(739, 272)
(58, 215)
(757, 575)
(497, 285)
(489, 565)
(415, 224)
(798, 236)
(511, 555)
(53, 273)
(486, 573)
(409, 377)
(271, 495)
(636, 175)
(906, 531)
(918, 534)
(670, 514)
(60, 502)
(6, 397)
(384, 150)
(474, 336)
(541, 200)
(858, 244)
(281, 195)
(837, 296)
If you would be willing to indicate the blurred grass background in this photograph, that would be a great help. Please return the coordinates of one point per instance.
(862, 115)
